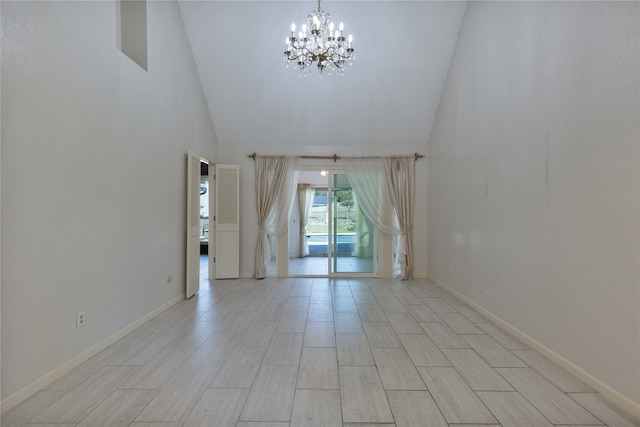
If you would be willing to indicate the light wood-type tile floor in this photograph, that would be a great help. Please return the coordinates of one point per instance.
(305, 352)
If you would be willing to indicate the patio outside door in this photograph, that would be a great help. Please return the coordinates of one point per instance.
(352, 239)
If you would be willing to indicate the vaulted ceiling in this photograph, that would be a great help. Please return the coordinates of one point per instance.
(389, 96)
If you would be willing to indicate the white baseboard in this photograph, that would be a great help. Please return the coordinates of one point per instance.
(37, 385)
(613, 396)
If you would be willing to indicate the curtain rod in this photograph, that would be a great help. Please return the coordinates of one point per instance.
(335, 157)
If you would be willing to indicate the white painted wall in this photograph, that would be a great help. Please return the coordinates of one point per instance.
(237, 154)
(534, 178)
(91, 143)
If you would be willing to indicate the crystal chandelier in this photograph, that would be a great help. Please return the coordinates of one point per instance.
(318, 43)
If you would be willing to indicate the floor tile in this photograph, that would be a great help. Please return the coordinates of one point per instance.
(603, 410)
(459, 323)
(344, 305)
(292, 321)
(347, 323)
(257, 334)
(316, 408)
(420, 289)
(177, 399)
(342, 292)
(368, 425)
(503, 338)
(156, 424)
(79, 402)
(236, 322)
(141, 352)
(120, 408)
(31, 407)
(159, 371)
(470, 313)
(437, 305)
(260, 424)
(271, 396)
(353, 350)
(320, 312)
(240, 369)
(50, 425)
(493, 352)
(552, 372)
(404, 323)
(476, 371)
(77, 376)
(364, 297)
(390, 305)
(319, 334)
(284, 349)
(396, 370)
(422, 313)
(381, 334)
(222, 405)
(442, 335)
(269, 311)
(362, 396)
(547, 398)
(423, 351)
(318, 369)
(297, 304)
(320, 296)
(371, 313)
(415, 409)
(300, 289)
(406, 297)
(458, 403)
(513, 410)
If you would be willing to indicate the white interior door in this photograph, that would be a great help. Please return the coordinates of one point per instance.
(193, 225)
(227, 218)
(211, 243)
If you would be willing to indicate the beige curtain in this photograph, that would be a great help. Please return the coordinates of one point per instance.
(305, 201)
(276, 179)
(384, 188)
(400, 178)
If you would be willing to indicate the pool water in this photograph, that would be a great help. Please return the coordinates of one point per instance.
(318, 243)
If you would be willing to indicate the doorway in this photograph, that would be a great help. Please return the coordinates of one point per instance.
(204, 220)
(200, 232)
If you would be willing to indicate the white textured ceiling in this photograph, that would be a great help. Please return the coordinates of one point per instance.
(389, 96)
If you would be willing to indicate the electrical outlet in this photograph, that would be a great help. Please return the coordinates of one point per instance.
(80, 319)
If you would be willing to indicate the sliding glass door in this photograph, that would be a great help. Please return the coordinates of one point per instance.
(352, 238)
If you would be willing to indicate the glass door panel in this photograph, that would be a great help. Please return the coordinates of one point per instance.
(352, 237)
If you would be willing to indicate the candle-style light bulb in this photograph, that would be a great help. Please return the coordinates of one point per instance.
(293, 28)
(341, 28)
(331, 27)
(350, 39)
